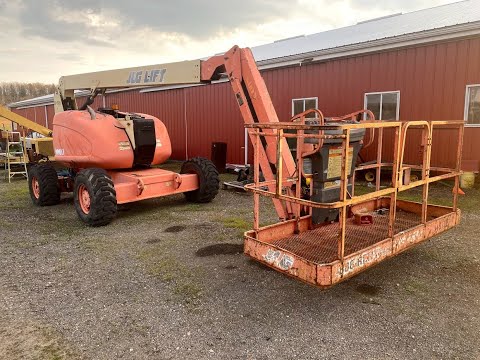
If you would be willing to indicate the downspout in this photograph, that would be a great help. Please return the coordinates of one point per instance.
(46, 116)
(185, 121)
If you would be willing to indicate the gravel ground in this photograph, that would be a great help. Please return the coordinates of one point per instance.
(167, 280)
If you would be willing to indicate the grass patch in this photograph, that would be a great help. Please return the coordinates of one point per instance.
(52, 352)
(184, 279)
(237, 223)
(51, 348)
(440, 193)
(416, 287)
(61, 229)
(167, 268)
(101, 247)
(434, 255)
(188, 290)
(14, 195)
(172, 165)
(226, 177)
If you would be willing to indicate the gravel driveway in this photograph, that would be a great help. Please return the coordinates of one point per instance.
(167, 280)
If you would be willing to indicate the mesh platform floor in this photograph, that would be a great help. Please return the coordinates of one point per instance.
(321, 245)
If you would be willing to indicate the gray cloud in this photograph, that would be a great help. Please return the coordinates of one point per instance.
(393, 5)
(39, 18)
(198, 19)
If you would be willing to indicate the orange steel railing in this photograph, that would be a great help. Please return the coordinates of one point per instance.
(283, 185)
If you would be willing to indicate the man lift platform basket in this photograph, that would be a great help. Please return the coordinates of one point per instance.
(324, 253)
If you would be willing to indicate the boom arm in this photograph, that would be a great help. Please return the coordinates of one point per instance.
(255, 106)
(184, 72)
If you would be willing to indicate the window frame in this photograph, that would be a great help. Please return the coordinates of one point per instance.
(465, 108)
(304, 99)
(397, 115)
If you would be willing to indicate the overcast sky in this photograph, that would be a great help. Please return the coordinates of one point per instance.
(40, 40)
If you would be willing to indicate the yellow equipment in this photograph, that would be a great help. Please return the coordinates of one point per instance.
(36, 148)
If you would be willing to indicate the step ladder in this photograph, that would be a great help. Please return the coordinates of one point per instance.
(14, 156)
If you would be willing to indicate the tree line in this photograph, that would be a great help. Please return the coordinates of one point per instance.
(17, 91)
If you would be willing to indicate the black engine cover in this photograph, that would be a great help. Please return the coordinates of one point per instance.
(145, 141)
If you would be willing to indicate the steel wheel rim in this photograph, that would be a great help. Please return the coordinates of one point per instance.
(84, 198)
(369, 176)
(35, 187)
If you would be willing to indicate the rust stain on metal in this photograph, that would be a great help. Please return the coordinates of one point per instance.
(358, 262)
(408, 238)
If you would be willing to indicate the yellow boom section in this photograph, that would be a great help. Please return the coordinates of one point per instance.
(20, 120)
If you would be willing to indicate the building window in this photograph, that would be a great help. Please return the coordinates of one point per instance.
(384, 105)
(472, 105)
(300, 105)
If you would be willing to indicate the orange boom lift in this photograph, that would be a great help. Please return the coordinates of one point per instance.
(306, 165)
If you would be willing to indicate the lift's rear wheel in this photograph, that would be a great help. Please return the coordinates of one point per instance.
(43, 185)
(84, 198)
(94, 197)
(208, 180)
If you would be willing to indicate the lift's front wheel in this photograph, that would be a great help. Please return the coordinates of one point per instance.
(43, 185)
(94, 197)
(208, 180)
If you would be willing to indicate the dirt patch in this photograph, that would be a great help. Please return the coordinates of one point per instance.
(153, 241)
(220, 249)
(23, 335)
(20, 340)
(175, 229)
(367, 289)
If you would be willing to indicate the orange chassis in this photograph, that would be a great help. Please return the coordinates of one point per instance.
(135, 185)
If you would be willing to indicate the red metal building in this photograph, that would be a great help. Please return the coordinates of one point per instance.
(423, 65)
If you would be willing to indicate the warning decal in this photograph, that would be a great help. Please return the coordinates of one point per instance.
(334, 169)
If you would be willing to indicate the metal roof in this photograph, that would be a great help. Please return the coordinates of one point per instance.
(443, 16)
(42, 100)
(438, 23)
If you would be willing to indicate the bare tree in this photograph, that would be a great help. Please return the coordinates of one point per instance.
(16, 91)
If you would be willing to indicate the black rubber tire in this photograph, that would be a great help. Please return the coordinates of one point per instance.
(209, 181)
(103, 197)
(49, 189)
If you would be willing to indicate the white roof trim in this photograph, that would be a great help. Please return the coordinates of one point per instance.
(34, 105)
